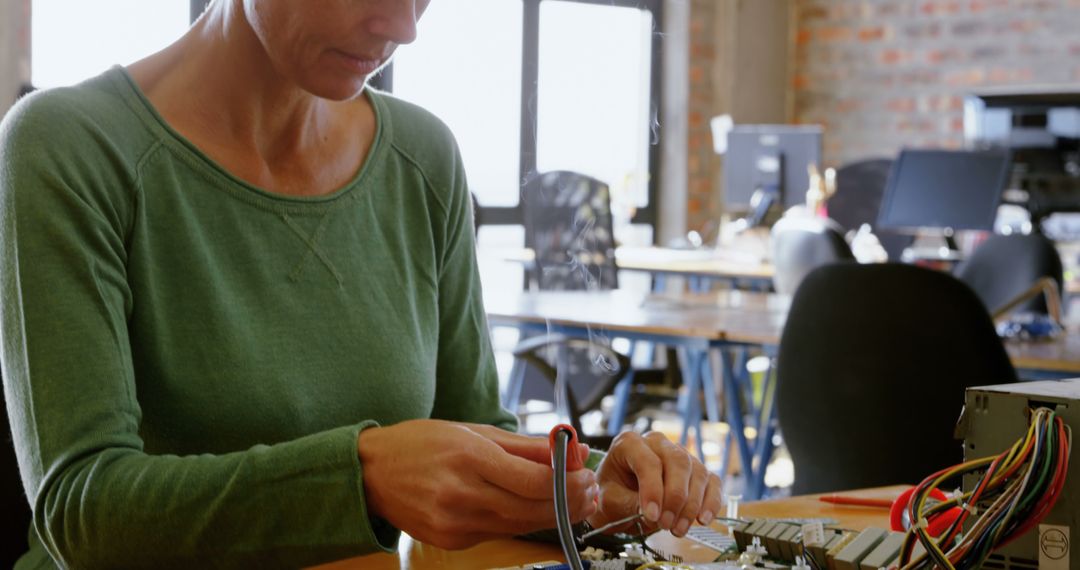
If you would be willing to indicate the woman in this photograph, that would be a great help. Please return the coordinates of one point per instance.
(242, 319)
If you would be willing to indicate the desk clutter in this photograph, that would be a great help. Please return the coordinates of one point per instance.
(1012, 509)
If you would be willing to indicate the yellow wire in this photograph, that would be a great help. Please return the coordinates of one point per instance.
(1010, 461)
(952, 472)
(663, 565)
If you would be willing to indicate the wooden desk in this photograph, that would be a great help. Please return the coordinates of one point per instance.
(731, 316)
(412, 555)
(724, 316)
(701, 322)
(698, 323)
(680, 262)
(1059, 357)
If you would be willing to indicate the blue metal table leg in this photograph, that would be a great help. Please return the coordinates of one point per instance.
(622, 401)
(704, 382)
(691, 378)
(725, 452)
(712, 404)
(735, 421)
(708, 388)
(659, 283)
(512, 396)
(766, 431)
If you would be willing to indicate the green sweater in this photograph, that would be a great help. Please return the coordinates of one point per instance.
(188, 360)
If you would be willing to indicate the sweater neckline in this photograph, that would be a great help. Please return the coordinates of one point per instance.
(170, 136)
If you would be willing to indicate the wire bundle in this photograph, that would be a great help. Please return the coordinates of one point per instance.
(1018, 488)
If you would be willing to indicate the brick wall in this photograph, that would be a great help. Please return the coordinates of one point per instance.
(14, 50)
(882, 74)
(703, 164)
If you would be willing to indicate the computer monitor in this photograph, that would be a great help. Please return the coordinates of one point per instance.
(772, 161)
(945, 189)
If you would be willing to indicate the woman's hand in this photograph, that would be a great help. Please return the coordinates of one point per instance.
(671, 488)
(453, 485)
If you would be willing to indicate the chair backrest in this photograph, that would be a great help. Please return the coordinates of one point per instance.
(476, 214)
(1003, 267)
(568, 225)
(801, 244)
(860, 187)
(873, 364)
(13, 503)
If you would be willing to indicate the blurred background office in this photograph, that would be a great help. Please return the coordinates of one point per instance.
(693, 124)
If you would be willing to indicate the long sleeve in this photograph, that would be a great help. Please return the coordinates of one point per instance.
(99, 499)
(468, 388)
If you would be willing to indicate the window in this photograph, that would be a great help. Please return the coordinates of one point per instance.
(75, 40)
(594, 99)
(584, 95)
(594, 113)
(467, 70)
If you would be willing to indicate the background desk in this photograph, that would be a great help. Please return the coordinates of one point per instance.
(731, 316)
(705, 264)
(702, 322)
(412, 555)
(1056, 359)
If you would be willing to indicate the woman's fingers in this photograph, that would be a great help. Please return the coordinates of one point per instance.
(527, 478)
(645, 470)
(678, 468)
(699, 481)
(535, 449)
(459, 485)
(672, 488)
(712, 503)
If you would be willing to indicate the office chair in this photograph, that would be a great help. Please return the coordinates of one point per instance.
(476, 214)
(1003, 267)
(873, 364)
(568, 225)
(569, 228)
(13, 501)
(801, 244)
(860, 187)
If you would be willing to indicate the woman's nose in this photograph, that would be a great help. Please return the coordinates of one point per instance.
(395, 20)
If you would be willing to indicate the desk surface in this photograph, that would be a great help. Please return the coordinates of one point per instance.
(699, 262)
(500, 553)
(731, 316)
(1058, 355)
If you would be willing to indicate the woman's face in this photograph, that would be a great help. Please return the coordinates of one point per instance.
(330, 47)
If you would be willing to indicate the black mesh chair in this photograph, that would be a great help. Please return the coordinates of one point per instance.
(476, 214)
(568, 225)
(860, 187)
(801, 244)
(12, 499)
(1003, 267)
(873, 364)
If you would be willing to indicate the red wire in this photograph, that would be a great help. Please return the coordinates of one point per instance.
(1057, 484)
(1039, 511)
(971, 500)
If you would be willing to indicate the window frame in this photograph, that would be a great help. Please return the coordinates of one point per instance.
(530, 78)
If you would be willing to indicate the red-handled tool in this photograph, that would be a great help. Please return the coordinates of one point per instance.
(574, 460)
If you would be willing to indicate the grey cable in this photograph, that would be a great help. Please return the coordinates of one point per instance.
(562, 509)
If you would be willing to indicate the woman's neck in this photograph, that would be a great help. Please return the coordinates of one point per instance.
(217, 86)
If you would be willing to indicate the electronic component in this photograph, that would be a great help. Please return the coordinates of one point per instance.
(862, 545)
(995, 417)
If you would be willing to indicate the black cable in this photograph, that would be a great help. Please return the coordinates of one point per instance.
(562, 509)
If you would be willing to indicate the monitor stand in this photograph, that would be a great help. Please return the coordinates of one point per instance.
(933, 248)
